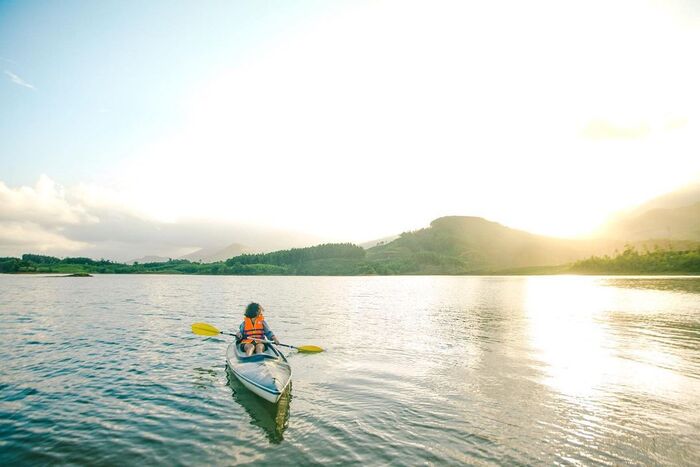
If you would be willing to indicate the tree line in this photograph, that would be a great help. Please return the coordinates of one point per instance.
(631, 261)
(349, 259)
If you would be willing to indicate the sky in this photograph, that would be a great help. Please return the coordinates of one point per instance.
(131, 128)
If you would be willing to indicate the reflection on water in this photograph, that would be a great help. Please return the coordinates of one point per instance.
(563, 316)
(204, 378)
(272, 418)
(689, 284)
(609, 349)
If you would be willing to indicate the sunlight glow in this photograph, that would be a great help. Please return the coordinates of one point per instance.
(577, 339)
(329, 130)
(564, 327)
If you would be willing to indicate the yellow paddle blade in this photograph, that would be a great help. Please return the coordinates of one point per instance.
(309, 349)
(204, 329)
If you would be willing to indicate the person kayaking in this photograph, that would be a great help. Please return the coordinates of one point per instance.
(252, 328)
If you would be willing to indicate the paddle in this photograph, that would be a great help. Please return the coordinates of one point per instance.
(302, 349)
(205, 329)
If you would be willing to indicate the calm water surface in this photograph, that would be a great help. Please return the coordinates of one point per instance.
(418, 370)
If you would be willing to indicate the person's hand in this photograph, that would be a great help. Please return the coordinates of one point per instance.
(238, 336)
(276, 341)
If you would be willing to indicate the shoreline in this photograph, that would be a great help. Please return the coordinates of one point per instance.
(484, 274)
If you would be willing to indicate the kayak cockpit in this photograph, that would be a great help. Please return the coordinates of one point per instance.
(269, 352)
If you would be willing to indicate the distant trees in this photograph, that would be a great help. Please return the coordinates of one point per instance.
(296, 256)
(332, 259)
(630, 261)
(40, 259)
(420, 252)
(10, 265)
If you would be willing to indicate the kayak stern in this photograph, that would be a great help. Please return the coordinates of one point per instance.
(266, 375)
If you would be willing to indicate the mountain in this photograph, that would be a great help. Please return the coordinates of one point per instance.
(673, 217)
(459, 244)
(211, 255)
(681, 223)
(453, 244)
(682, 197)
(450, 245)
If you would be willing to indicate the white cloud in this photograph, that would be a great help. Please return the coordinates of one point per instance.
(19, 81)
(27, 237)
(33, 219)
(98, 222)
(45, 204)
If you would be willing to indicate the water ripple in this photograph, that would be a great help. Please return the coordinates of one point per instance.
(417, 370)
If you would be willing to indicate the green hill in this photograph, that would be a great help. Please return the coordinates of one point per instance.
(459, 244)
(326, 259)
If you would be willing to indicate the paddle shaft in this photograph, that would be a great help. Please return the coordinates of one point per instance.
(274, 343)
(261, 341)
(205, 329)
(302, 349)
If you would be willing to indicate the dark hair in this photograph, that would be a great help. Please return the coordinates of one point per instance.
(252, 310)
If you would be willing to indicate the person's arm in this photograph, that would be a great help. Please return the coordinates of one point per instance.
(239, 334)
(269, 334)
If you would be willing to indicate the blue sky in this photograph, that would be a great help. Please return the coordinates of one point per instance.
(345, 120)
(107, 76)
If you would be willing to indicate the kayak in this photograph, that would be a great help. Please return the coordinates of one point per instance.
(266, 374)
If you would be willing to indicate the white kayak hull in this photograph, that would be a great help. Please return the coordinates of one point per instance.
(267, 375)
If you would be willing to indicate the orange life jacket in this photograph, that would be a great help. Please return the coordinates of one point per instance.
(253, 330)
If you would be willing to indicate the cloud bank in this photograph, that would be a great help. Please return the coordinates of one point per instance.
(92, 221)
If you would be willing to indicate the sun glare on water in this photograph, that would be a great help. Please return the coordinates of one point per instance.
(576, 337)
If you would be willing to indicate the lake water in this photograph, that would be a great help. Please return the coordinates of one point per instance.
(417, 370)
